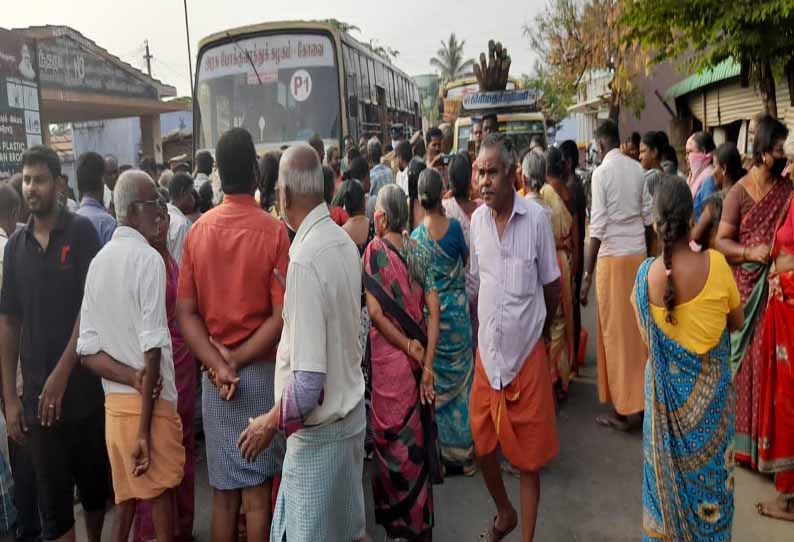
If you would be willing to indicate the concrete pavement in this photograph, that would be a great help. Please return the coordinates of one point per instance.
(591, 492)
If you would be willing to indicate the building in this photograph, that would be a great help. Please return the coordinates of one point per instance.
(714, 100)
(592, 105)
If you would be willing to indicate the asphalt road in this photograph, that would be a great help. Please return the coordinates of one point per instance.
(591, 492)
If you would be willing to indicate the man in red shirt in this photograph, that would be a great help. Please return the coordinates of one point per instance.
(231, 291)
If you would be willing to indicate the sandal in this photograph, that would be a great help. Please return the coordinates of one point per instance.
(613, 423)
(493, 534)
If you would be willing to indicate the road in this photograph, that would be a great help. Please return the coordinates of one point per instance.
(591, 492)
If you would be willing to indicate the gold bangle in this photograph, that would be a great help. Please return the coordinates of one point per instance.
(428, 369)
(408, 351)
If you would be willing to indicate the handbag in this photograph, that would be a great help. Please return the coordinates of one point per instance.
(427, 412)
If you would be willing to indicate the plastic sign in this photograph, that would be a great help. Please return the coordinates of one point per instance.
(499, 99)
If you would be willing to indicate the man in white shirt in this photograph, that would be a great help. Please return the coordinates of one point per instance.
(204, 164)
(620, 239)
(513, 253)
(110, 178)
(319, 383)
(124, 338)
(180, 190)
(403, 154)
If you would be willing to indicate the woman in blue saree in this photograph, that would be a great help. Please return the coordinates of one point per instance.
(445, 248)
(686, 303)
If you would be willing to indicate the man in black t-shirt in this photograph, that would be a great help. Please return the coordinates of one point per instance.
(61, 411)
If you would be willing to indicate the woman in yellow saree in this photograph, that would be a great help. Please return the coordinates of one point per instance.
(563, 225)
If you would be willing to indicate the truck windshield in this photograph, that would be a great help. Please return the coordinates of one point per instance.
(282, 88)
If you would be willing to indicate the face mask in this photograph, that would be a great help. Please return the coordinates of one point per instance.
(696, 160)
(778, 166)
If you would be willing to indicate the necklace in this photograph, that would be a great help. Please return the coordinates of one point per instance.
(757, 186)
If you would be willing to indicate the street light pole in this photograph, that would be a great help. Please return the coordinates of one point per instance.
(189, 55)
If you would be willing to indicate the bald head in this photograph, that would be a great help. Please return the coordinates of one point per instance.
(133, 186)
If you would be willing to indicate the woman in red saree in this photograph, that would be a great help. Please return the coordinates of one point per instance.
(406, 457)
(776, 402)
(752, 212)
(185, 373)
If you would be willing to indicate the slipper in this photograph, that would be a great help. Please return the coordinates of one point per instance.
(611, 423)
(492, 534)
(764, 509)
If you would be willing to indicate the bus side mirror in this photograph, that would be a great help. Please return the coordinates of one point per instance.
(352, 106)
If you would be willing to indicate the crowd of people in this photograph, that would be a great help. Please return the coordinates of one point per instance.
(403, 304)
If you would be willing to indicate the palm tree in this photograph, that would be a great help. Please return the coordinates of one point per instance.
(449, 59)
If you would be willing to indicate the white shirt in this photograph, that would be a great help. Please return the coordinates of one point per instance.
(622, 206)
(107, 198)
(177, 232)
(123, 312)
(3, 242)
(402, 180)
(322, 316)
(512, 271)
(200, 179)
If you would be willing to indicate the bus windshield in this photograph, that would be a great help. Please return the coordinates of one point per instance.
(282, 88)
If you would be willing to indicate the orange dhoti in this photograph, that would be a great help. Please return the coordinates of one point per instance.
(166, 453)
(622, 354)
(519, 418)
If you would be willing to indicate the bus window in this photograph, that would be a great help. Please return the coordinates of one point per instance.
(279, 87)
(362, 72)
(372, 84)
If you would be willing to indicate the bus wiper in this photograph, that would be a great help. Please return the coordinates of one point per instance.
(248, 56)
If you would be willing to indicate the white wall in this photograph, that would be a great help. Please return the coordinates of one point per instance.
(119, 137)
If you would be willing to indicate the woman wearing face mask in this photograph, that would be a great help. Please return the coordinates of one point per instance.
(727, 171)
(699, 150)
(751, 214)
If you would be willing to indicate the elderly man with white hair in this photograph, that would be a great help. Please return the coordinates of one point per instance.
(124, 339)
(319, 384)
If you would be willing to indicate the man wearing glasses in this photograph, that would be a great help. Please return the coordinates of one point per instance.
(61, 410)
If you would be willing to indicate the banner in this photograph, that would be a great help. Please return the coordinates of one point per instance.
(265, 56)
(20, 123)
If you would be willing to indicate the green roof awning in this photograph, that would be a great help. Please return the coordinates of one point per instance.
(726, 69)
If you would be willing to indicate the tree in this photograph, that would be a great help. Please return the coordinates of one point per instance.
(383, 51)
(554, 95)
(449, 59)
(578, 38)
(342, 26)
(758, 34)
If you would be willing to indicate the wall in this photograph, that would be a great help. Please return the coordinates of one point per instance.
(119, 137)
(654, 115)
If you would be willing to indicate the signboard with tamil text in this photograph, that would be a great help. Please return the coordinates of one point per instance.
(20, 124)
(500, 99)
(66, 64)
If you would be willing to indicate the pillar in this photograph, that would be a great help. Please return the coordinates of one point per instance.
(151, 140)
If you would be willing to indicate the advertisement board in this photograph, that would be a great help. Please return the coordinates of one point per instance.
(20, 122)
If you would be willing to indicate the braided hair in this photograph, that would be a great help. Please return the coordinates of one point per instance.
(673, 222)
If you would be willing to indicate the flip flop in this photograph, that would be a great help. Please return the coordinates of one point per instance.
(493, 534)
(608, 421)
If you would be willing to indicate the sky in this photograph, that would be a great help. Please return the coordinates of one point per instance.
(413, 27)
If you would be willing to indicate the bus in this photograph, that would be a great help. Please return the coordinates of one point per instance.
(521, 127)
(284, 81)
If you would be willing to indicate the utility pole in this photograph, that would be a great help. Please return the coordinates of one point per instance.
(189, 55)
(148, 58)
